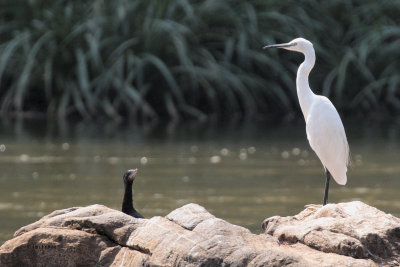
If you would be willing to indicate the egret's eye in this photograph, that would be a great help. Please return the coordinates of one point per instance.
(294, 44)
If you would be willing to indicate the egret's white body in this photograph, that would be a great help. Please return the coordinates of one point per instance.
(327, 137)
(325, 131)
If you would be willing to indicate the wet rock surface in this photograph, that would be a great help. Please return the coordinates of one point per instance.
(191, 236)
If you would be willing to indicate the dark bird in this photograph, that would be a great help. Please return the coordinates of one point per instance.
(127, 203)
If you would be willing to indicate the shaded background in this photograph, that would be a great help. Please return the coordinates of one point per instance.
(183, 90)
(180, 59)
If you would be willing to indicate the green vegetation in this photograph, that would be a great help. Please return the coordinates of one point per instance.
(181, 59)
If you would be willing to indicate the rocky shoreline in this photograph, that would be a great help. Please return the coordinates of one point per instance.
(344, 234)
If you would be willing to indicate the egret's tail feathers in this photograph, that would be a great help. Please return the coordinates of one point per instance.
(339, 176)
(342, 180)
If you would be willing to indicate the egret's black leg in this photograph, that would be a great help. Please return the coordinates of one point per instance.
(328, 177)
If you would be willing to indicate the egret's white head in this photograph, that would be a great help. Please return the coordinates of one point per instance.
(299, 45)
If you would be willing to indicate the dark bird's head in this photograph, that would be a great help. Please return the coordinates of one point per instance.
(129, 176)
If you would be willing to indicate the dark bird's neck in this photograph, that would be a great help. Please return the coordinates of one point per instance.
(127, 203)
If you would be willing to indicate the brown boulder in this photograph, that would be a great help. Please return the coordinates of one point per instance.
(188, 236)
(352, 229)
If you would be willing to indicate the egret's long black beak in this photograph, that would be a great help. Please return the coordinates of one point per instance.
(278, 45)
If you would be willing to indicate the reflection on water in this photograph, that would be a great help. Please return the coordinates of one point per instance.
(241, 173)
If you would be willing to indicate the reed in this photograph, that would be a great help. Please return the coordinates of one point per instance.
(181, 59)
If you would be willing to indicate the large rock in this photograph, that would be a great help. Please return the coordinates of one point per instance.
(188, 236)
(352, 229)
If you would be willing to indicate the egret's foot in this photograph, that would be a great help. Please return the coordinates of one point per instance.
(313, 206)
(310, 210)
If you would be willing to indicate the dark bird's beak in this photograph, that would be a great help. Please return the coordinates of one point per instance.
(132, 173)
(278, 45)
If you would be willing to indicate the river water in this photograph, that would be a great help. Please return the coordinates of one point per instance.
(242, 173)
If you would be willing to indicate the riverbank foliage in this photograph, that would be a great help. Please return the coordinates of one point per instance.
(181, 59)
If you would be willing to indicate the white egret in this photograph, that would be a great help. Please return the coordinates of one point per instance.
(324, 128)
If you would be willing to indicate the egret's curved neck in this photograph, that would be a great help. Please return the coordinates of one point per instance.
(304, 92)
